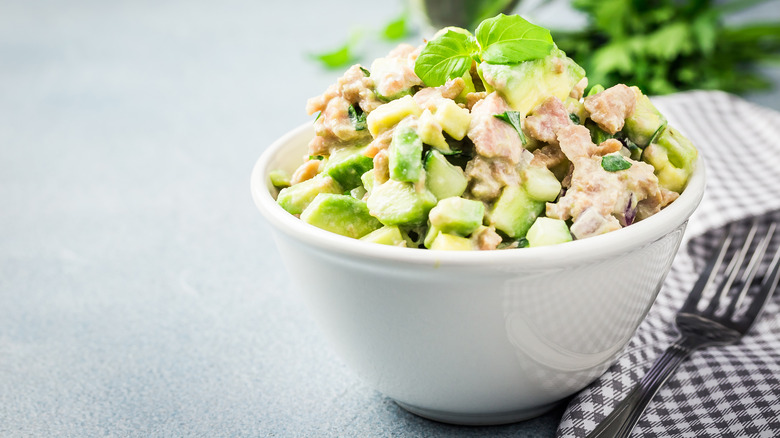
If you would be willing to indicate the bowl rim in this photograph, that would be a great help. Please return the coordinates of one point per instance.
(570, 253)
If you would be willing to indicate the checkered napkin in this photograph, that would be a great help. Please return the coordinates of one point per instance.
(721, 391)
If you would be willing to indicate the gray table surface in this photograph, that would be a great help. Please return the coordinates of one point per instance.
(140, 290)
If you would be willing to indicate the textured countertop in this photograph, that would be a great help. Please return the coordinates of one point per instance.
(140, 290)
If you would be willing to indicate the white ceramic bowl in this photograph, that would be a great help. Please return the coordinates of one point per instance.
(474, 337)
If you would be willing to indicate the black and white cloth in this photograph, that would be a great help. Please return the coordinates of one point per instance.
(721, 391)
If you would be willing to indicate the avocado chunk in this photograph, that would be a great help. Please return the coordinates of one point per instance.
(346, 166)
(673, 157)
(405, 154)
(430, 132)
(386, 236)
(400, 203)
(528, 84)
(442, 178)
(541, 184)
(295, 198)
(457, 215)
(388, 115)
(341, 214)
(646, 123)
(548, 231)
(515, 211)
(453, 119)
(279, 178)
(450, 242)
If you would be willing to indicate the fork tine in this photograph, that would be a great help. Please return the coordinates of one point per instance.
(731, 272)
(710, 271)
(768, 286)
(751, 270)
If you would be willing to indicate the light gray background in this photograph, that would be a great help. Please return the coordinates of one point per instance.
(140, 291)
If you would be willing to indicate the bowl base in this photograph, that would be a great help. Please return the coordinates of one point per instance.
(487, 419)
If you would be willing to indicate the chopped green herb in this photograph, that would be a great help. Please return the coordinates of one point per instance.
(316, 157)
(522, 242)
(515, 119)
(574, 118)
(336, 58)
(319, 114)
(365, 71)
(357, 117)
(343, 55)
(614, 163)
(396, 29)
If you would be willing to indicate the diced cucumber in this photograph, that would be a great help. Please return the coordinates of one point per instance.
(279, 178)
(548, 231)
(430, 236)
(595, 89)
(358, 192)
(453, 119)
(576, 110)
(450, 242)
(295, 198)
(386, 236)
(443, 179)
(341, 214)
(399, 203)
(405, 154)
(457, 215)
(368, 180)
(646, 123)
(515, 211)
(347, 165)
(673, 157)
(469, 88)
(527, 84)
(541, 184)
(388, 115)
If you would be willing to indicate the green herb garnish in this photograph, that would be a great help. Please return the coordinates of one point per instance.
(336, 58)
(515, 119)
(396, 29)
(503, 39)
(365, 71)
(614, 163)
(343, 55)
(510, 39)
(574, 118)
(357, 117)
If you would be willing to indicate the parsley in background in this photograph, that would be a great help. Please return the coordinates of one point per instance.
(664, 46)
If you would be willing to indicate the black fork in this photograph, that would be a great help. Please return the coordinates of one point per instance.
(721, 321)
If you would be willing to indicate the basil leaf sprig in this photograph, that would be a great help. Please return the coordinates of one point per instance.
(503, 39)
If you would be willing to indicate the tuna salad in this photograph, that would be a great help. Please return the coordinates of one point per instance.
(483, 141)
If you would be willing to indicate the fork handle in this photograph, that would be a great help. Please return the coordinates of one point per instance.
(626, 414)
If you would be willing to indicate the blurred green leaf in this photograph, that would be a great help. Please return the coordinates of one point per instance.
(664, 46)
(397, 29)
